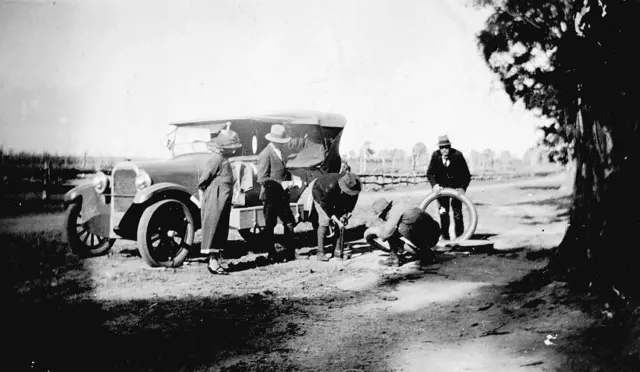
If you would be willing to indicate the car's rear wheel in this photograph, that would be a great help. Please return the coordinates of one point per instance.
(83, 242)
(166, 233)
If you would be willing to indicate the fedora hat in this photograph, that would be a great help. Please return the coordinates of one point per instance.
(443, 141)
(350, 184)
(277, 134)
(380, 205)
(226, 139)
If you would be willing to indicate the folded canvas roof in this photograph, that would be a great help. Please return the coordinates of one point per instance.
(302, 117)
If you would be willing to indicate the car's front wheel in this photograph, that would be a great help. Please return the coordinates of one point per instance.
(82, 241)
(166, 233)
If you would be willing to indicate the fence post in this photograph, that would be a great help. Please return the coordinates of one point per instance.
(46, 180)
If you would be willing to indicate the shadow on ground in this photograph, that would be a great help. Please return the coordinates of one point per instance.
(540, 188)
(150, 335)
(599, 331)
(55, 325)
(560, 202)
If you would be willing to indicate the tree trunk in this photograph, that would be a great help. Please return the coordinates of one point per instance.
(600, 247)
(414, 160)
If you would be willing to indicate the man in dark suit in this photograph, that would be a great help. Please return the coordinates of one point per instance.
(272, 173)
(448, 168)
(334, 195)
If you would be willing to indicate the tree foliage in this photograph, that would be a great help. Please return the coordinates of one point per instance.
(547, 53)
(574, 62)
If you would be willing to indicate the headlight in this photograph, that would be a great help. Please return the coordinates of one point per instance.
(100, 182)
(142, 180)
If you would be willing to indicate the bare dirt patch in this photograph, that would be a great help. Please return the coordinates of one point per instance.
(463, 312)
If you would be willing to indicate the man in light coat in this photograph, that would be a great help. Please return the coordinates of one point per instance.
(216, 183)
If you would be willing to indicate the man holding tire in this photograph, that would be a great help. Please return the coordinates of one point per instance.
(448, 169)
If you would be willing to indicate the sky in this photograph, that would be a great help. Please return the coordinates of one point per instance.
(106, 77)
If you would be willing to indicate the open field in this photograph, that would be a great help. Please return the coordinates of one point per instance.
(478, 311)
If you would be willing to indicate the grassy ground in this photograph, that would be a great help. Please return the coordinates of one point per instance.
(468, 311)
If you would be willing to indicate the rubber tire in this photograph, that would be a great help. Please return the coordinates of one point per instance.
(143, 238)
(78, 247)
(473, 218)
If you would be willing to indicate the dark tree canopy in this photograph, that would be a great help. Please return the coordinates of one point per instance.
(547, 53)
(575, 62)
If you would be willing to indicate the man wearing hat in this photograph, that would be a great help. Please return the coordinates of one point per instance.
(396, 221)
(448, 168)
(334, 194)
(271, 175)
(216, 184)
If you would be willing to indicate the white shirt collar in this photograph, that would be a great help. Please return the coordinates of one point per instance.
(276, 150)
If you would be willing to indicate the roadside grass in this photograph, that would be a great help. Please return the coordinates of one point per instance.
(29, 203)
(32, 262)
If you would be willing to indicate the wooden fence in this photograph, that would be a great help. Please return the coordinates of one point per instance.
(384, 180)
(46, 180)
(43, 179)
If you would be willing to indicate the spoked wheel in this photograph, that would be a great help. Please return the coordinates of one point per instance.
(82, 241)
(165, 233)
(470, 214)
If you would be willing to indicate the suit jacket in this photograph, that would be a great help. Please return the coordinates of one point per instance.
(271, 167)
(409, 221)
(326, 192)
(456, 175)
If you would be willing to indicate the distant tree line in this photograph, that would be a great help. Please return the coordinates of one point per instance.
(10, 159)
(396, 160)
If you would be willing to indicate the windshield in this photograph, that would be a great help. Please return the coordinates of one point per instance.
(186, 140)
(308, 147)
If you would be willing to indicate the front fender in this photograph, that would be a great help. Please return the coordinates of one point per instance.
(95, 212)
(158, 189)
(85, 191)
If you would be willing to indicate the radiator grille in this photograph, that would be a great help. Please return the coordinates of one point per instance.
(124, 189)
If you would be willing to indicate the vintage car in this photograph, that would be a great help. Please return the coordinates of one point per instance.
(156, 202)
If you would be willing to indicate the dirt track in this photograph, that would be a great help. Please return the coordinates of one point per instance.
(457, 314)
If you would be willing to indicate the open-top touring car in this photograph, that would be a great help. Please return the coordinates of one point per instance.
(155, 202)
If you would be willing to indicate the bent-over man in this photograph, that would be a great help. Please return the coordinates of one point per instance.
(400, 220)
(334, 194)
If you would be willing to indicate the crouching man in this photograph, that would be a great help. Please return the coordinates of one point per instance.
(407, 229)
(334, 195)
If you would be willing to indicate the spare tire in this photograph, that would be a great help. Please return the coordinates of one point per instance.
(473, 213)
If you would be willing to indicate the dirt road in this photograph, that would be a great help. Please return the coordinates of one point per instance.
(458, 314)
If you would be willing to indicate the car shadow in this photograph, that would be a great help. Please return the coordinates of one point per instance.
(309, 238)
(130, 252)
(482, 236)
(540, 188)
